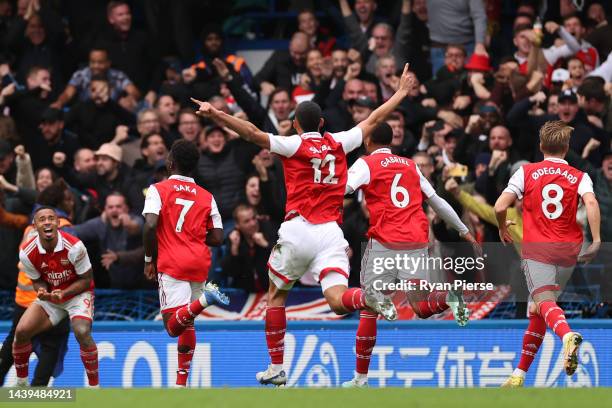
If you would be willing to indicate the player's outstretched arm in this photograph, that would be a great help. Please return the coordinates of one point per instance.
(245, 130)
(380, 114)
(594, 217)
(502, 204)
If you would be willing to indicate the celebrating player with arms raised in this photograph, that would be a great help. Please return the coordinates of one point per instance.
(181, 220)
(310, 238)
(59, 267)
(394, 188)
(552, 239)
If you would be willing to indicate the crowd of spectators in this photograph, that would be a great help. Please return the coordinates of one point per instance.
(91, 104)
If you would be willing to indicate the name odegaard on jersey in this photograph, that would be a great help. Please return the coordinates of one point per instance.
(553, 171)
(393, 160)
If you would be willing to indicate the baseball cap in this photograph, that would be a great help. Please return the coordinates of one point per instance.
(568, 95)
(5, 148)
(560, 75)
(111, 150)
(363, 101)
(52, 115)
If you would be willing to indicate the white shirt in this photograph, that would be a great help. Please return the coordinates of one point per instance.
(288, 145)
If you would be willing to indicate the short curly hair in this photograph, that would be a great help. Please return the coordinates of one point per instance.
(185, 155)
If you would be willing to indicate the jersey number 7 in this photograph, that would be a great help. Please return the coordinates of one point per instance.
(187, 204)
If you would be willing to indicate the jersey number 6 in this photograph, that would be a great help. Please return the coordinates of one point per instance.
(398, 191)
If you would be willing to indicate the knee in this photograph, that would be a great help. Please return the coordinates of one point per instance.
(82, 334)
(22, 335)
(337, 307)
(533, 308)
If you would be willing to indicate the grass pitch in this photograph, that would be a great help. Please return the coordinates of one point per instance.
(322, 398)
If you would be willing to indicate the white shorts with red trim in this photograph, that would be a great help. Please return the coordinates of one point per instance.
(79, 307)
(175, 293)
(542, 277)
(303, 248)
(379, 267)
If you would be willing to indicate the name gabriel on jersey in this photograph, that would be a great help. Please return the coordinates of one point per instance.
(181, 187)
(394, 159)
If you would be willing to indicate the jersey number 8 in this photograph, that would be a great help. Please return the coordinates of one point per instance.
(555, 201)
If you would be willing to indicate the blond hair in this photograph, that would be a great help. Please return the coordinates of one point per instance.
(555, 136)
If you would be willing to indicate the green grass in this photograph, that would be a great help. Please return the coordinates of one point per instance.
(338, 398)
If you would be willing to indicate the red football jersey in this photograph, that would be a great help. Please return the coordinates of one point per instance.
(315, 172)
(589, 57)
(186, 213)
(61, 267)
(394, 189)
(550, 190)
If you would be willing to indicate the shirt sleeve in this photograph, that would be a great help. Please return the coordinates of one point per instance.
(554, 54)
(350, 139)
(426, 186)
(358, 175)
(586, 185)
(153, 202)
(28, 267)
(215, 215)
(79, 258)
(285, 145)
(516, 184)
(77, 79)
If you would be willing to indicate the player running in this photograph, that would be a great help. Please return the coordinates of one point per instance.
(310, 238)
(394, 188)
(552, 239)
(61, 274)
(181, 220)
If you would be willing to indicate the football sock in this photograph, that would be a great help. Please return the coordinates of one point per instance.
(554, 317)
(89, 357)
(183, 318)
(365, 341)
(353, 299)
(185, 347)
(276, 325)
(434, 303)
(21, 358)
(532, 340)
